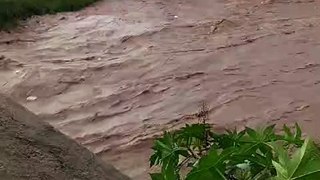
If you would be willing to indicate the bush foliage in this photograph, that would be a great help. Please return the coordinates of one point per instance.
(13, 10)
(195, 152)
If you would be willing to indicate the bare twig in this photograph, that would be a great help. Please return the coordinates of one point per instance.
(183, 162)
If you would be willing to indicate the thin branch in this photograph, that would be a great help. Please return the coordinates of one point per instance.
(192, 153)
(183, 162)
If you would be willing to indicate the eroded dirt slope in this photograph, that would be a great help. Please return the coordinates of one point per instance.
(116, 74)
(32, 149)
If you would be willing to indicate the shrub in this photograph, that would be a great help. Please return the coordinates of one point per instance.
(13, 10)
(195, 152)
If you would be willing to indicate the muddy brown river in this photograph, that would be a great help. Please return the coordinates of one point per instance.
(115, 75)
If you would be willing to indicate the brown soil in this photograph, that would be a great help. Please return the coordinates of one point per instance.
(31, 149)
(115, 75)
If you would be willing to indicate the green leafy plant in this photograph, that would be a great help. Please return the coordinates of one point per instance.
(195, 152)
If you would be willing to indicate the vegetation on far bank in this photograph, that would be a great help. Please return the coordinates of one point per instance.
(11, 11)
(195, 152)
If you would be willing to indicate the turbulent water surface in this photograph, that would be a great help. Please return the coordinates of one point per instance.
(116, 74)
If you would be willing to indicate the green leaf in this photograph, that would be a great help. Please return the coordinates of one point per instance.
(211, 166)
(261, 135)
(195, 135)
(269, 130)
(155, 158)
(157, 176)
(269, 133)
(230, 139)
(304, 163)
(166, 153)
(298, 133)
(194, 130)
(292, 138)
(287, 130)
(252, 133)
(169, 169)
(282, 173)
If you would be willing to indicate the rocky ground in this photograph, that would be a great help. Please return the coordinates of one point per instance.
(116, 74)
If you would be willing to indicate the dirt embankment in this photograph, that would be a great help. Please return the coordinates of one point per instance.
(32, 149)
(116, 74)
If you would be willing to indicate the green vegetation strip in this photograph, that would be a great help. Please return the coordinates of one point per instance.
(195, 152)
(11, 11)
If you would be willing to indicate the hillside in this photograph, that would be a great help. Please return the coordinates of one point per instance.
(32, 149)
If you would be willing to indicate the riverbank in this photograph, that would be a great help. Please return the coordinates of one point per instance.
(11, 11)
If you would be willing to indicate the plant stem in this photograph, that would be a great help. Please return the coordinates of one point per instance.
(184, 162)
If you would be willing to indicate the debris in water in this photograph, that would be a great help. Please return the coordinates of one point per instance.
(63, 18)
(303, 107)
(32, 98)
